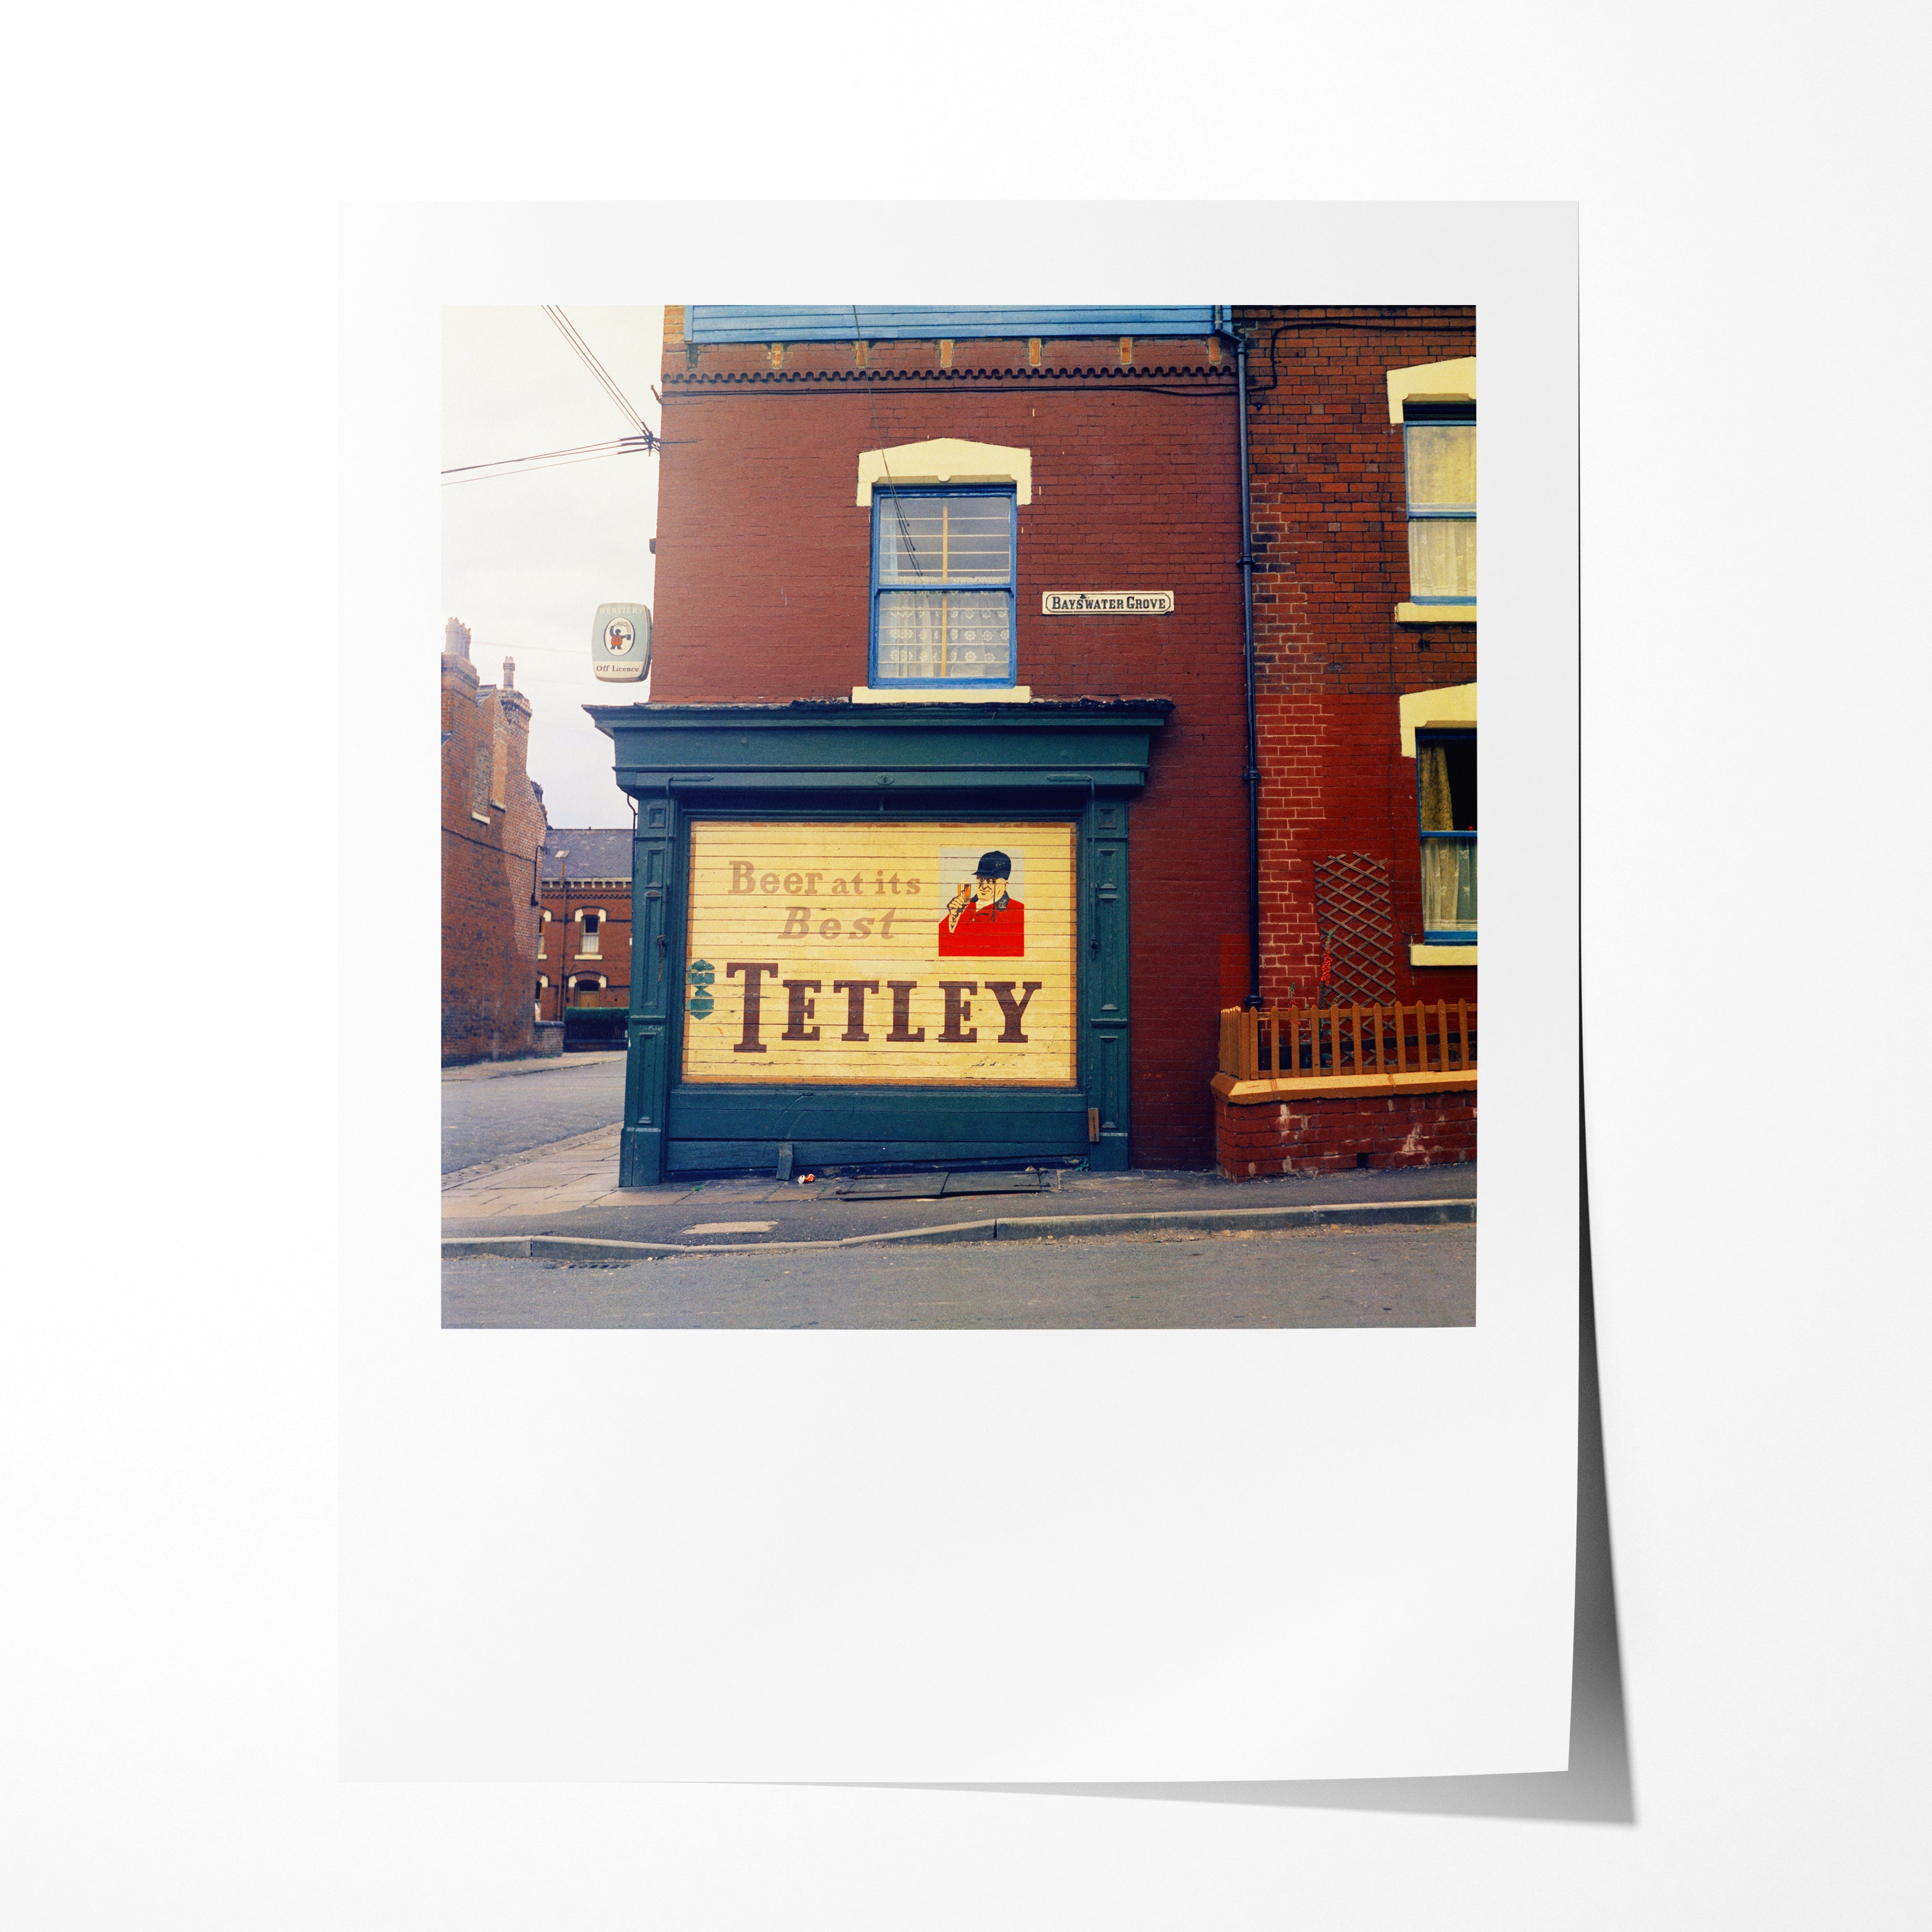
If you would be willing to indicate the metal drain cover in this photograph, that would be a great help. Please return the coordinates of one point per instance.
(931, 1186)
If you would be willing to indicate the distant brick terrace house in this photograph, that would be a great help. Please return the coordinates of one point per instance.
(583, 954)
(492, 826)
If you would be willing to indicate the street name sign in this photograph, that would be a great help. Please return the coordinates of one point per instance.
(1105, 603)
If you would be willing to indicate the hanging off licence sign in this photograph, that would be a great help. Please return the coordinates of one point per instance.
(1105, 603)
(620, 642)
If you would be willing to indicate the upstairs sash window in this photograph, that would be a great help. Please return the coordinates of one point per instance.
(942, 586)
(1446, 800)
(1439, 453)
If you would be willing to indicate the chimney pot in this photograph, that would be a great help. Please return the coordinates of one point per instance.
(456, 639)
(509, 674)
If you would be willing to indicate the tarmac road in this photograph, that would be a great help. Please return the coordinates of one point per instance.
(490, 1112)
(1389, 1277)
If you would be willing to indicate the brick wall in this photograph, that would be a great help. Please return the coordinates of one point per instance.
(1331, 545)
(1328, 1135)
(612, 898)
(764, 575)
(492, 827)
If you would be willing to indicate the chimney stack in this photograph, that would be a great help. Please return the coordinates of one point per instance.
(456, 639)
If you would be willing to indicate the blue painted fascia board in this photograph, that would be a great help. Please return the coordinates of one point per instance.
(718, 323)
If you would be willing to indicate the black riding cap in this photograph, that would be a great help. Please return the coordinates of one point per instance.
(994, 865)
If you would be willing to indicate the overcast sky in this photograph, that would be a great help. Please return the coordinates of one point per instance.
(528, 556)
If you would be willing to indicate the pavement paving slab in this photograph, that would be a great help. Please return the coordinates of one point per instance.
(500, 1069)
(577, 1197)
(892, 1187)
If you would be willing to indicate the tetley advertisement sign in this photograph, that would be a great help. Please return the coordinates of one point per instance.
(938, 954)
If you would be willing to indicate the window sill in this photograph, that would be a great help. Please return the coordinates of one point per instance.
(1422, 955)
(481, 817)
(1435, 613)
(942, 693)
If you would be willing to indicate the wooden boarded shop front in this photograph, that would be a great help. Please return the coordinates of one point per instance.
(768, 841)
(860, 952)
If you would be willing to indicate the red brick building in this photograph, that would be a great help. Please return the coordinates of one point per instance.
(820, 478)
(492, 827)
(583, 953)
(1361, 427)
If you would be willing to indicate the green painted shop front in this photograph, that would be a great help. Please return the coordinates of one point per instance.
(699, 774)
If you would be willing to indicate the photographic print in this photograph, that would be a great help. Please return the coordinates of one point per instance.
(945, 1127)
(1035, 804)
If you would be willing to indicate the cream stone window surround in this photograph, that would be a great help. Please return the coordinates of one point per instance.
(1432, 382)
(1435, 613)
(1452, 382)
(1452, 706)
(943, 460)
(938, 694)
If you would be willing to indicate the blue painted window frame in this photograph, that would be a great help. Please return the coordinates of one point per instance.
(1460, 935)
(1430, 414)
(883, 496)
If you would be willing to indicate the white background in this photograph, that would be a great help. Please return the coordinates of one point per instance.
(170, 1394)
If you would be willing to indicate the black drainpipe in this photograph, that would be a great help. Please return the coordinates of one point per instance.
(1252, 775)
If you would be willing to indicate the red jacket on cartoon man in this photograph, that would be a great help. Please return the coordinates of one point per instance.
(981, 921)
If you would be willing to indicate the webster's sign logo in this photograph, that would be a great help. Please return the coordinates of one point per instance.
(935, 954)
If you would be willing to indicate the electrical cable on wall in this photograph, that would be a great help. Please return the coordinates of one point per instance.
(892, 488)
(1435, 327)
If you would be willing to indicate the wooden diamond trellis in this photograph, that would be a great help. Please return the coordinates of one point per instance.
(1352, 906)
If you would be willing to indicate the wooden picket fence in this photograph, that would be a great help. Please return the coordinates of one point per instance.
(1333, 1042)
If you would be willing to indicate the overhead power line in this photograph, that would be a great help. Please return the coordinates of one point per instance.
(616, 442)
(569, 331)
(646, 442)
(554, 459)
(519, 651)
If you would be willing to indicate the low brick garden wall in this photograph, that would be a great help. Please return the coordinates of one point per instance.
(1325, 1135)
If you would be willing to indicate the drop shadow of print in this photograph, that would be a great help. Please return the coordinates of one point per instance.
(1597, 1787)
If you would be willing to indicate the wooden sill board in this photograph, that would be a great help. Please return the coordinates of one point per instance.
(1310, 1086)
